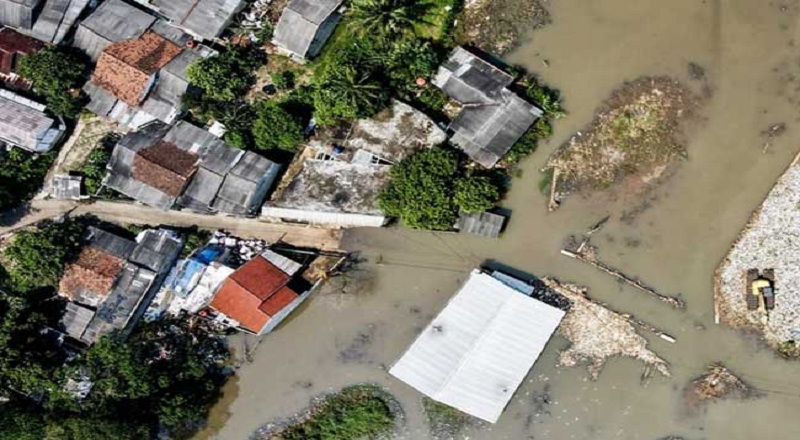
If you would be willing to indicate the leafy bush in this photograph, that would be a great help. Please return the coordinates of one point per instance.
(409, 60)
(355, 413)
(476, 194)
(283, 80)
(276, 128)
(227, 75)
(57, 73)
(38, 256)
(344, 90)
(386, 18)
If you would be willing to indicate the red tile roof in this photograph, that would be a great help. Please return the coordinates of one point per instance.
(165, 167)
(13, 46)
(254, 294)
(94, 270)
(125, 69)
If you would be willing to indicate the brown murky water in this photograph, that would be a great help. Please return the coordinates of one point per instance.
(674, 241)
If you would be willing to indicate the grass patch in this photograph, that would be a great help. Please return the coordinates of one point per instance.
(443, 420)
(356, 412)
(438, 22)
(545, 181)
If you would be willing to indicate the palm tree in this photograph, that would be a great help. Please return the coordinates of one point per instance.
(357, 91)
(386, 18)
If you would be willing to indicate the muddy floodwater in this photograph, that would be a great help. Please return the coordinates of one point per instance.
(745, 55)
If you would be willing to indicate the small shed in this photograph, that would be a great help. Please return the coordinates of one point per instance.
(66, 187)
(476, 352)
(484, 224)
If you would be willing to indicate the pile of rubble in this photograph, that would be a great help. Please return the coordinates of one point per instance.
(241, 250)
(770, 240)
(718, 383)
(598, 333)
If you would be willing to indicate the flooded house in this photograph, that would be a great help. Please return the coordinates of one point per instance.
(492, 118)
(340, 175)
(479, 348)
(13, 47)
(184, 166)
(260, 294)
(203, 19)
(305, 26)
(113, 279)
(47, 20)
(25, 124)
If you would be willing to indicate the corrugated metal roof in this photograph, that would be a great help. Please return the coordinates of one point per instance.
(17, 13)
(24, 126)
(75, 320)
(480, 347)
(300, 22)
(156, 249)
(485, 224)
(112, 22)
(57, 18)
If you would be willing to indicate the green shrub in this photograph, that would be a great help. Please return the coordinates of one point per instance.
(227, 75)
(275, 128)
(283, 80)
(475, 194)
(57, 73)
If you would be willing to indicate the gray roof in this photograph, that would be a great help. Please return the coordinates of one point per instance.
(57, 18)
(493, 117)
(157, 250)
(66, 187)
(112, 22)
(75, 320)
(470, 80)
(300, 22)
(486, 133)
(128, 296)
(25, 126)
(484, 224)
(218, 161)
(205, 18)
(111, 243)
(17, 13)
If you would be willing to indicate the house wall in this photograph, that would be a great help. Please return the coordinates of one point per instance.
(283, 314)
(16, 15)
(340, 219)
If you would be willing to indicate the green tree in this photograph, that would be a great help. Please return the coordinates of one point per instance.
(344, 91)
(421, 190)
(18, 423)
(276, 128)
(409, 60)
(225, 76)
(57, 73)
(387, 18)
(21, 176)
(88, 427)
(37, 257)
(476, 194)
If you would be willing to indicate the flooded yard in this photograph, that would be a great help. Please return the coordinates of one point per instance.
(743, 55)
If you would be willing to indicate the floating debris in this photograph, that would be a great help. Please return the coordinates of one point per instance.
(718, 383)
(598, 333)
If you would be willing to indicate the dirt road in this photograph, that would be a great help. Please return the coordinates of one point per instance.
(129, 213)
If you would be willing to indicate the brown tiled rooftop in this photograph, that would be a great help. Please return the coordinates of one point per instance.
(94, 270)
(124, 69)
(165, 167)
(13, 46)
(254, 294)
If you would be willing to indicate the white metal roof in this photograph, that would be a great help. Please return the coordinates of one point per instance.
(474, 355)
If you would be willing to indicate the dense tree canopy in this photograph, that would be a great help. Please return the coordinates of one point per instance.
(275, 128)
(428, 189)
(21, 176)
(37, 257)
(386, 18)
(227, 75)
(57, 73)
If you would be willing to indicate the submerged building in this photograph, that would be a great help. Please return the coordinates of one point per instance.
(492, 118)
(476, 352)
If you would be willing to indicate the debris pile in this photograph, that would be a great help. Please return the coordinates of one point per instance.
(241, 250)
(637, 133)
(598, 333)
(770, 240)
(718, 383)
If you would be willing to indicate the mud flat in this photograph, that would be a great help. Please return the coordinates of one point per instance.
(496, 26)
(718, 383)
(770, 240)
(636, 134)
(598, 333)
